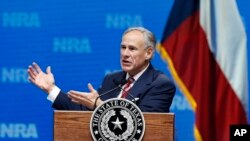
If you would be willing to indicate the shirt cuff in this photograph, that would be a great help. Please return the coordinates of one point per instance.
(53, 94)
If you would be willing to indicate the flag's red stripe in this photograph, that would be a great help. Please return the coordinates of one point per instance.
(217, 103)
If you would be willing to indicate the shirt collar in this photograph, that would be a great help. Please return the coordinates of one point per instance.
(136, 77)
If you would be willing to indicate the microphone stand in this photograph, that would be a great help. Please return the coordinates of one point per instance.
(119, 85)
(105, 94)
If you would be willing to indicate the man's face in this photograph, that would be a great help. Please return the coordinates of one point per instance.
(134, 56)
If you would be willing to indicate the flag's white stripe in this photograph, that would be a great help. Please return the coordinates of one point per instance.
(227, 40)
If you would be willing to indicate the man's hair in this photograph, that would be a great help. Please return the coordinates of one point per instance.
(149, 37)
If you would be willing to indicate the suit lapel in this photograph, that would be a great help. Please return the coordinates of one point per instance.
(142, 83)
(120, 79)
(111, 85)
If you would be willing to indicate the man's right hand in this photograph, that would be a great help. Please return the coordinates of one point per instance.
(44, 81)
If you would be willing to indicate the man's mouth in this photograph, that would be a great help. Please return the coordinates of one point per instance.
(126, 62)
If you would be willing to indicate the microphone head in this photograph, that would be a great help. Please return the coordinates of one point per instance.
(122, 82)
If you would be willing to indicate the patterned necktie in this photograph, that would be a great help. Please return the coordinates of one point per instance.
(126, 87)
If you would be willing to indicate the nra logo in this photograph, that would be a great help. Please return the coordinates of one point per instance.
(21, 19)
(18, 130)
(71, 45)
(14, 75)
(121, 21)
(108, 71)
(239, 132)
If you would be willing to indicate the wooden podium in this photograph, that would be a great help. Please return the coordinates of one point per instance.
(74, 126)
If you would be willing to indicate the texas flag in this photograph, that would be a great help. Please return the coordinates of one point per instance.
(204, 44)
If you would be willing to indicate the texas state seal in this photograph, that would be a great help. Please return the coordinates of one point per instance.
(117, 120)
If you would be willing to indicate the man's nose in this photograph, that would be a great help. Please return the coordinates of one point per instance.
(126, 52)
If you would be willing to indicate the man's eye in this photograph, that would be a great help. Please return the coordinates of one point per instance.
(132, 48)
(123, 47)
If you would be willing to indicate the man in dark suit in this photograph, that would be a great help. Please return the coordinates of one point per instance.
(151, 89)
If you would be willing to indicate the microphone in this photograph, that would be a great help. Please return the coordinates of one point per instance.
(129, 94)
(119, 85)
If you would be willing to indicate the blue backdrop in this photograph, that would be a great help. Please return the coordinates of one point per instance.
(80, 40)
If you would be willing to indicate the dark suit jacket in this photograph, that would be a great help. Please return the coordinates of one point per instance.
(154, 90)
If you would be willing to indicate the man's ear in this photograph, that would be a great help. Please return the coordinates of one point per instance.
(149, 53)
